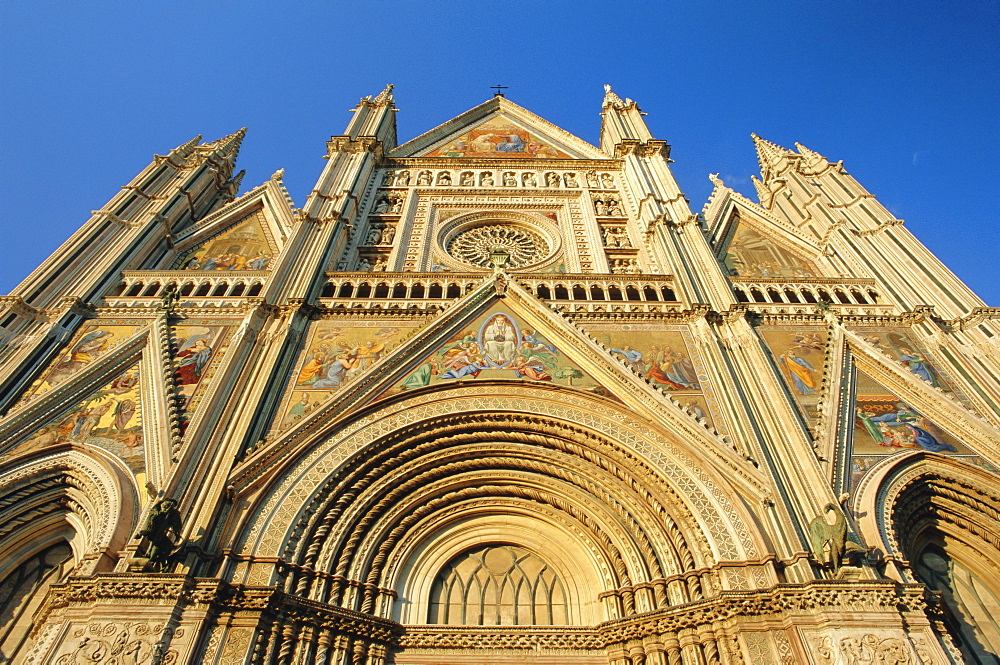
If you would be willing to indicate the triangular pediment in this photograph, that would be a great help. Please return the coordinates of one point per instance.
(107, 404)
(753, 243)
(499, 333)
(246, 234)
(498, 129)
(903, 401)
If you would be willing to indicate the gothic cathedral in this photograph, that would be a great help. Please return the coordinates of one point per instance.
(497, 395)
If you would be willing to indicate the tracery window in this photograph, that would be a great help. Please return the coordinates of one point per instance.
(498, 585)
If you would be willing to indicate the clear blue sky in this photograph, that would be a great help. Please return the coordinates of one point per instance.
(905, 93)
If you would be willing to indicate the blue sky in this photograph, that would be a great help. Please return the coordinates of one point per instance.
(905, 93)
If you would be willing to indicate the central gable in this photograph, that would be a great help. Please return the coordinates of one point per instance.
(500, 136)
(498, 129)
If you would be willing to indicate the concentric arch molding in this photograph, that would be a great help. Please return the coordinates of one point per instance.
(532, 241)
(265, 533)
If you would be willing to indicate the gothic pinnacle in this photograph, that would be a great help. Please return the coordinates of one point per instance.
(611, 99)
(767, 153)
(186, 148)
(229, 145)
(384, 97)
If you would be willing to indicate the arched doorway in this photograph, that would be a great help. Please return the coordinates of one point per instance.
(941, 523)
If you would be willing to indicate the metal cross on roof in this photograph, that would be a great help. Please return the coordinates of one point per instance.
(499, 90)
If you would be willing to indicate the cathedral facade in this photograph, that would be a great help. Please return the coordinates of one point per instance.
(497, 395)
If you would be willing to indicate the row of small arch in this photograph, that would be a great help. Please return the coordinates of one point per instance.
(435, 290)
(193, 289)
(790, 295)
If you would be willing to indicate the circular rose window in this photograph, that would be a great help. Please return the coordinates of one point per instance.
(474, 245)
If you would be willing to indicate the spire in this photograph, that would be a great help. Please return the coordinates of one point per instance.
(767, 154)
(185, 148)
(229, 146)
(806, 152)
(621, 122)
(384, 98)
(763, 193)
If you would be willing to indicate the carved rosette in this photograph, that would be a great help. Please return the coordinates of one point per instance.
(530, 241)
(475, 245)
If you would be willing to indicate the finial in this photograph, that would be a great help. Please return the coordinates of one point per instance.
(499, 90)
(384, 97)
(278, 175)
(716, 180)
(611, 99)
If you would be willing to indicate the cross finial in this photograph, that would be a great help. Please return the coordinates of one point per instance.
(499, 90)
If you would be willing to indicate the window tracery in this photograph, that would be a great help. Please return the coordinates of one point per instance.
(497, 585)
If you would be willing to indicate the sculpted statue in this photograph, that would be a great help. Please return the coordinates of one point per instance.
(570, 179)
(424, 178)
(364, 265)
(169, 297)
(374, 236)
(551, 179)
(486, 179)
(403, 178)
(382, 206)
(600, 207)
(614, 208)
(528, 180)
(163, 524)
(444, 178)
(592, 179)
(828, 538)
(387, 178)
(607, 181)
(509, 179)
(466, 179)
(388, 233)
(396, 206)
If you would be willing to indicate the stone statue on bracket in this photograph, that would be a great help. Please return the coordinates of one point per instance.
(828, 539)
(163, 525)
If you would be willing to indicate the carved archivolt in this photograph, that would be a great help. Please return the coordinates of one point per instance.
(67, 495)
(357, 515)
(907, 496)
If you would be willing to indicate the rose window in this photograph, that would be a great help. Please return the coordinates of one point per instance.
(475, 245)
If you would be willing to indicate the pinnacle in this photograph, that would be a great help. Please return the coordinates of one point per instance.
(611, 99)
(190, 145)
(229, 145)
(806, 152)
(767, 152)
(384, 97)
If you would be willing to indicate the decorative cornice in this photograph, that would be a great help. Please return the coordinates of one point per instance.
(17, 305)
(817, 597)
(975, 317)
(354, 145)
(878, 229)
